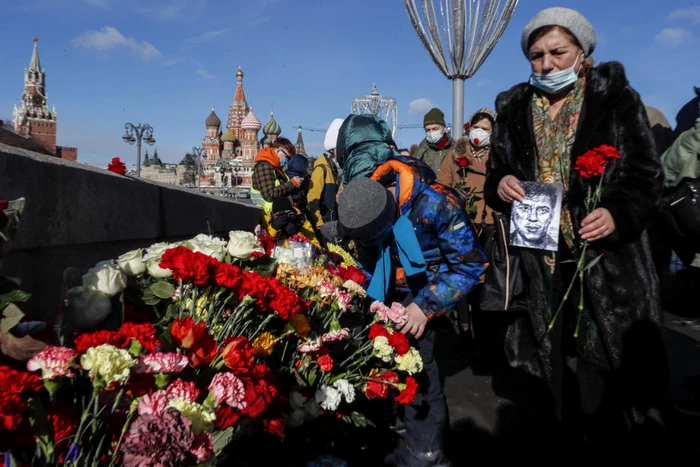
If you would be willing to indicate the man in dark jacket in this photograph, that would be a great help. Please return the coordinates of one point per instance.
(437, 142)
(401, 208)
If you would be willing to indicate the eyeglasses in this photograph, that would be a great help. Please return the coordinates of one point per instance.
(282, 152)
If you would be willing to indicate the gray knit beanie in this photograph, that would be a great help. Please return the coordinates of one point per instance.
(569, 19)
(365, 210)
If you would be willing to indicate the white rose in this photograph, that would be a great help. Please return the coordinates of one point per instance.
(242, 244)
(87, 307)
(132, 263)
(152, 258)
(106, 277)
(208, 245)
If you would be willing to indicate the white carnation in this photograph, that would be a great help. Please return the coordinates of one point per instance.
(328, 398)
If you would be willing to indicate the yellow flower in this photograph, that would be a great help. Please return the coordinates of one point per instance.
(410, 362)
(201, 419)
(301, 325)
(217, 328)
(347, 259)
(354, 288)
(107, 364)
(263, 344)
(200, 310)
(382, 348)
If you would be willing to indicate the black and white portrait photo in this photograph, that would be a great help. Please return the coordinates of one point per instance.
(534, 221)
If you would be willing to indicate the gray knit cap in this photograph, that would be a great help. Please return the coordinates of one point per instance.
(569, 19)
(365, 209)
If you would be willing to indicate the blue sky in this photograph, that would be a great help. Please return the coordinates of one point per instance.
(166, 62)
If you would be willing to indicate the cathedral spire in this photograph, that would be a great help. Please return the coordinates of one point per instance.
(300, 143)
(34, 64)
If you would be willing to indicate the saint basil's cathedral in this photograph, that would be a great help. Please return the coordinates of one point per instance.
(232, 152)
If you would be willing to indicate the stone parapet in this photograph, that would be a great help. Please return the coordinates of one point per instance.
(77, 215)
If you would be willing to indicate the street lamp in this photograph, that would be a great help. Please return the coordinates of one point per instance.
(224, 166)
(237, 166)
(136, 133)
(198, 151)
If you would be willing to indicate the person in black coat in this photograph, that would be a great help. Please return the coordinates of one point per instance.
(568, 108)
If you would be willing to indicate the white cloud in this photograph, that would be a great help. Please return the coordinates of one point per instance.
(673, 37)
(174, 61)
(201, 71)
(109, 38)
(202, 38)
(691, 14)
(420, 106)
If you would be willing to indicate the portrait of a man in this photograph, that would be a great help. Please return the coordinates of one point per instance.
(535, 221)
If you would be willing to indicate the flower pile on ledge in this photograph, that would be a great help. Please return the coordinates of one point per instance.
(215, 346)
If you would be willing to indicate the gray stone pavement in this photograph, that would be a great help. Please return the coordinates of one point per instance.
(486, 415)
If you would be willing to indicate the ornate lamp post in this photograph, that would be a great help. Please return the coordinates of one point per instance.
(471, 29)
(224, 166)
(136, 133)
(237, 166)
(198, 152)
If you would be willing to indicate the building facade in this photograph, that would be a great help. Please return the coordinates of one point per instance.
(33, 119)
(229, 153)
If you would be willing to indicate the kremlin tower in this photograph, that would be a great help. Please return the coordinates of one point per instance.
(32, 118)
(271, 130)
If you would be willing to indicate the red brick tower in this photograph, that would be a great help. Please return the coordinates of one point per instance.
(239, 108)
(33, 118)
(211, 143)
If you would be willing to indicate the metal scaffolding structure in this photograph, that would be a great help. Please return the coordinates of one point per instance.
(375, 104)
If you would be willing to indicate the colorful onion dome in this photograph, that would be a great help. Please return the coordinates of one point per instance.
(228, 136)
(272, 127)
(251, 122)
(212, 119)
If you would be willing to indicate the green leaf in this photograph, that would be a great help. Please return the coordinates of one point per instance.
(593, 263)
(312, 376)
(299, 379)
(221, 439)
(347, 419)
(162, 289)
(15, 296)
(11, 315)
(358, 419)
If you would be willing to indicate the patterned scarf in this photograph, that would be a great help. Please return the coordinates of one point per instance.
(555, 139)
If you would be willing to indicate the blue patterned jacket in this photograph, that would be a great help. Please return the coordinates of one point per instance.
(455, 259)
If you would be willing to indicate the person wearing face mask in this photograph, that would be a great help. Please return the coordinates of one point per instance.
(269, 179)
(465, 167)
(437, 142)
(568, 107)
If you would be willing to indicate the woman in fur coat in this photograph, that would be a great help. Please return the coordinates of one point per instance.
(567, 108)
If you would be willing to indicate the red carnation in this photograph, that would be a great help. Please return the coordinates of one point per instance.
(325, 362)
(592, 163)
(93, 339)
(117, 166)
(399, 342)
(463, 161)
(377, 330)
(408, 395)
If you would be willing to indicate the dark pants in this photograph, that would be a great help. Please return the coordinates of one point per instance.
(426, 418)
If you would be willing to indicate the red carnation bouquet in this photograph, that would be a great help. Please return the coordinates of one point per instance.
(590, 165)
(117, 166)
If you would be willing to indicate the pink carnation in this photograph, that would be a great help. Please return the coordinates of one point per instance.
(380, 310)
(309, 346)
(398, 314)
(186, 390)
(160, 440)
(202, 448)
(53, 362)
(325, 289)
(170, 362)
(339, 335)
(343, 299)
(154, 404)
(227, 388)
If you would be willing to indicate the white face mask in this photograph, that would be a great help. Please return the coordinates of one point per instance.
(434, 136)
(479, 137)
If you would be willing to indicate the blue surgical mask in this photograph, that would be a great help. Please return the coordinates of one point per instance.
(283, 162)
(552, 83)
(434, 136)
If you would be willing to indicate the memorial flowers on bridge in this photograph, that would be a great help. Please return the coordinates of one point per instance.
(218, 345)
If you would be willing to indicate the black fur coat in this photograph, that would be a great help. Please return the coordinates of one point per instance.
(623, 287)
